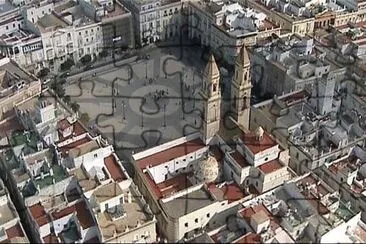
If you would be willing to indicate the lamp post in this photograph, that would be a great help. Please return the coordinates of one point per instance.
(164, 115)
(184, 118)
(124, 110)
(146, 69)
(142, 119)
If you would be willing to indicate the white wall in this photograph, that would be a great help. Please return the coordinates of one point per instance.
(173, 167)
(94, 158)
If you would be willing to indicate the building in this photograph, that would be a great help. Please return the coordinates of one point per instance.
(116, 22)
(283, 65)
(122, 214)
(225, 28)
(316, 128)
(17, 86)
(155, 20)
(223, 165)
(65, 222)
(293, 17)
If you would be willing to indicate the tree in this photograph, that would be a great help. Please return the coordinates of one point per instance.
(75, 107)
(103, 53)
(67, 99)
(58, 89)
(85, 59)
(67, 64)
(43, 72)
(84, 118)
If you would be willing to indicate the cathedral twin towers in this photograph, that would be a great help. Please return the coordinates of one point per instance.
(211, 95)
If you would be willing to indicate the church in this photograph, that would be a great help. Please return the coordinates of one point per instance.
(191, 181)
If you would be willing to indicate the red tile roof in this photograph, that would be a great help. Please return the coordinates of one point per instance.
(296, 97)
(171, 153)
(270, 166)
(256, 146)
(249, 238)
(63, 212)
(15, 231)
(84, 216)
(114, 168)
(231, 192)
(72, 145)
(39, 214)
(239, 159)
(78, 129)
(170, 186)
(51, 238)
(63, 124)
(82, 213)
(247, 213)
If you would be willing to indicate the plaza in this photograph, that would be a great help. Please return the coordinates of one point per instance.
(143, 103)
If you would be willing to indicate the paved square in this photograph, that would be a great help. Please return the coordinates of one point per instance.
(138, 104)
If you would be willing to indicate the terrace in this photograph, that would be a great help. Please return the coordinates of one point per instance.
(59, 174)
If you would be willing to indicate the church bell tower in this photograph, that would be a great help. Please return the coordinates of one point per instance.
(211, 97)
(241, 89)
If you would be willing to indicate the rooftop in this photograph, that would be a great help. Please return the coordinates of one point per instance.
(39, 214)
(82, 213)
(16, 234)
(171, 153)
(230, 192)
(59, 174)
(248, 213)
(270, 166)
(255, 145)
(169, 186)
(81, 149)
(51, 20)
(65, 149)
(239, 159)
(7, 213)
(188, 203)
(108, 191)
(135, 215)
(114, 168)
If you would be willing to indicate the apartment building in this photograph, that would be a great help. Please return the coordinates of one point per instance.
(17, 86)
(227, 27)
(155, 20)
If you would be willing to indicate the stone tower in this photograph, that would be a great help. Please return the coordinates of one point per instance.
(241, 87)
(211, 98)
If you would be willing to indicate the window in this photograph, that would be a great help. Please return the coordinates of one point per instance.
(95, 155)
(196, 220)
(256, 183)
(186, 224)
(106, 206)
(266, 159)
(7, 27)
(208, 215)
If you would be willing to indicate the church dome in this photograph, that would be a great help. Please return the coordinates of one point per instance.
(207, 170)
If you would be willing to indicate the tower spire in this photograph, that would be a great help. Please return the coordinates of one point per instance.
(241, 88)
(211, 98)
